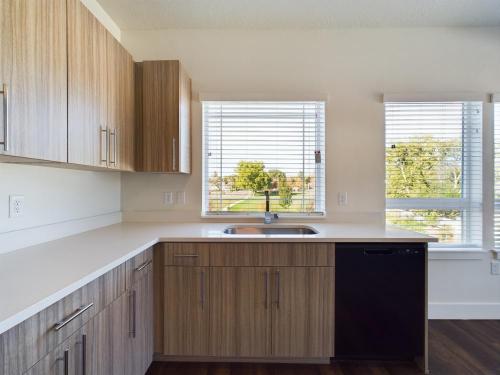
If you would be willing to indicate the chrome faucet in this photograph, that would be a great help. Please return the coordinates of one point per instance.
(269, 217)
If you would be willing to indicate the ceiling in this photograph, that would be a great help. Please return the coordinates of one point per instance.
(300, 14)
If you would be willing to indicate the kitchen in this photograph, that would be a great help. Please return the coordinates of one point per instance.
(92, 194)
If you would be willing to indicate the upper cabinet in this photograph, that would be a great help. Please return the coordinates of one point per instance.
(120, 122)
(33, 78)
(87, 88)
(163, 117)
(100, 94)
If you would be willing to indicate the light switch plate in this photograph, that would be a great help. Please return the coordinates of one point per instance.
(16, 206)
(495, 267)
(342, 198)
(168, 198)
(180, 197)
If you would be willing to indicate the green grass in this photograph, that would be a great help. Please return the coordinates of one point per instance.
(257, 203)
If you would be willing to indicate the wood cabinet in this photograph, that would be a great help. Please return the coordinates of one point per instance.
(163, 117)
(303, 312)
(139, 344)
(240, 312)
(100, 94)
(34, 42)
(106, 327)
(72, 357)
(111, 331)
(87, 87)
(265, 300)
(120, 119)
(186, 314)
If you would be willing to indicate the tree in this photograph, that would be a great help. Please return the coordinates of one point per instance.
(277, 177)
(215, 181)
(250, 175)
(286, 195)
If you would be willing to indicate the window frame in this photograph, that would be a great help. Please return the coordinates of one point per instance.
(320, 188)
(461, 204)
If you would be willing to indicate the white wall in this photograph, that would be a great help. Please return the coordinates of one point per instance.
(58, 202)
(353, 67)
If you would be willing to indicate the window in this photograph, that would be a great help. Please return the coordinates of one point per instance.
(434, 169)
(251, 147)
(497, 172)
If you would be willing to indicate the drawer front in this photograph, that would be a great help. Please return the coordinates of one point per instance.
(272, 254)
(138, 266)
(186, 254)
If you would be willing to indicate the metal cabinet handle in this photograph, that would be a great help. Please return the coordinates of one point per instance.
(202, 297)
(73, 316)
(104, 145)
(84, 354)
(5, 93)
(278, 289)
(174, 154)
(132, 319)
(112, 141)
(143, 265)
(186, 255)
(266, 287)
(66, 362)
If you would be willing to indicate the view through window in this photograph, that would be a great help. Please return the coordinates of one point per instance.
(433, 169)
(251, 147)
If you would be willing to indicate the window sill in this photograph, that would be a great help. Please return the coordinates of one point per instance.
(461, 253)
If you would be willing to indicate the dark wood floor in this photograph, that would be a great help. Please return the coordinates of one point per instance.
(456, 348)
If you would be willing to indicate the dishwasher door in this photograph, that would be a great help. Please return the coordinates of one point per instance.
(380, 300)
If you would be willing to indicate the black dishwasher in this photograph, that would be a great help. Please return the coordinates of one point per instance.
(379, 300)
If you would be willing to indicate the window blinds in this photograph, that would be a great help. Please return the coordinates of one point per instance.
(497, 172)
(250, 147)
(434, 169)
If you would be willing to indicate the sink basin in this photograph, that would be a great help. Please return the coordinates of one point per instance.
(270, 230)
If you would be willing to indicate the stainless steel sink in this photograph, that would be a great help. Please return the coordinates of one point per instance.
(270, 230)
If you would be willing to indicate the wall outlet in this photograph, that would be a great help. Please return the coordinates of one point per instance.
(495, 267)
(342, 198)
(168, 198)
(180, 197)
(16, 206)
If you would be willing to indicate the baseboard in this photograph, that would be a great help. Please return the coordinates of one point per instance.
(471, 311)
(19, 239)
(157, 357)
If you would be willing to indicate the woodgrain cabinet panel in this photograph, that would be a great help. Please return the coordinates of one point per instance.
(138, 267)
(303, 312)
(272, 254)
(37, 99)
(87, 87)
(186, 314)
(120, 122)
(187, 254)
(5, 60)
(139, 343)
(164, 120)
(240, 312)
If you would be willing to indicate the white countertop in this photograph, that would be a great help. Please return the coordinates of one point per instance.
(33, 278)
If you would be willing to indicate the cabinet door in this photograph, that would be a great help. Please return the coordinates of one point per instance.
(5, 60)
(139, 344)
(120, 106)
(186, 311)
(110, 337)
(240, 312)
(303, 312)
(38, 88)
(73, 357)
(87, 91)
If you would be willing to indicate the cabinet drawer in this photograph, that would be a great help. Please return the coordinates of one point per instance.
(138, 266)
(272, 254)
(186, 254)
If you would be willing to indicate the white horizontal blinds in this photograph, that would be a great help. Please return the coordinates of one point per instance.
(250, 147)
(497, 173)
(434, 169)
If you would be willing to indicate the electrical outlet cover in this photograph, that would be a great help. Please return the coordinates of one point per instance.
(16, 206)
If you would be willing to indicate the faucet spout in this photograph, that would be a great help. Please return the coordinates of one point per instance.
(268, 216)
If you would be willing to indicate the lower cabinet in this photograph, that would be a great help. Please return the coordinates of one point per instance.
(139, 342)
(72, 357)
(186, 311)
(249, 312)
